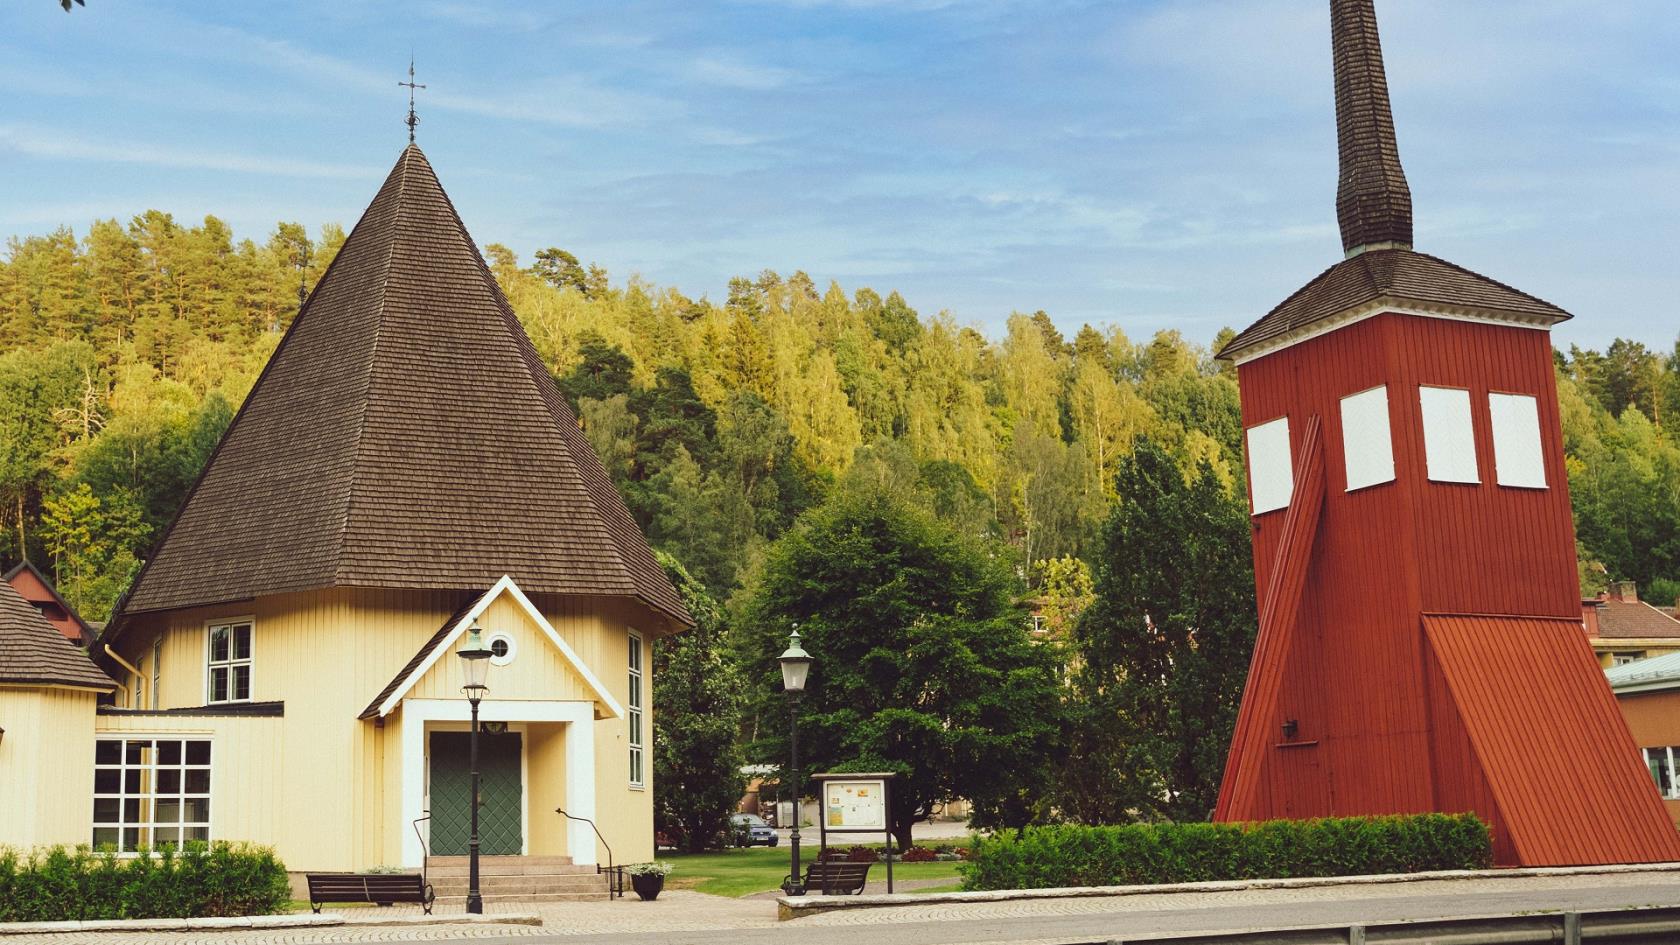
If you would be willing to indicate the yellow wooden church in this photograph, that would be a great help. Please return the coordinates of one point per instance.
(404, 471)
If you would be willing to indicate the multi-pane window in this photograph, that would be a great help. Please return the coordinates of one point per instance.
(150, 792)
(157, 663)
(1661, 763)
(637, 755)
(230, 662)
(1624, 657)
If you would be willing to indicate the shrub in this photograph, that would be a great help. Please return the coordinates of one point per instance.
(219, 879)
(863, 854)
(1141, 854)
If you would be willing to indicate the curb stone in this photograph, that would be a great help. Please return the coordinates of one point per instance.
(293, 921)
(794, 907)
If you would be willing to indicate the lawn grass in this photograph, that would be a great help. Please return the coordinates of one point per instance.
(738, 873)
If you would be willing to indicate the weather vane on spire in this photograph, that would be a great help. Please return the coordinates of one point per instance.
(412, 118)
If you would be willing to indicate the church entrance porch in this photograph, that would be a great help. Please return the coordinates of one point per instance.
(534, 756)
(501, 813)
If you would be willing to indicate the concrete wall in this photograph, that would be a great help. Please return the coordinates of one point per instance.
(46, 766)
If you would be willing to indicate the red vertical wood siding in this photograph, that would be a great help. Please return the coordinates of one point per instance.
(1354, 670)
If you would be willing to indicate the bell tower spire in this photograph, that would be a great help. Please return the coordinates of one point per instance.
(1373, 202)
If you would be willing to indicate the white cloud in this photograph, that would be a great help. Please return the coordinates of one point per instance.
(718, 70)
(49, 143)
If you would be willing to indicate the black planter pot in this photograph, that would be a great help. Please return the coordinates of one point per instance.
(647, 885)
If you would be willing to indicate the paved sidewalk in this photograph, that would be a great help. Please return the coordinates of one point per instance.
(688, 918)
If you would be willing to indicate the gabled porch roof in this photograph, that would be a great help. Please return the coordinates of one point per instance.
(444, 639)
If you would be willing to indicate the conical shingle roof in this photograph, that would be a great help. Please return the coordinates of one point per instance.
(405, 434)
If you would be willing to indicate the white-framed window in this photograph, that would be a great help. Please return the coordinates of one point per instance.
(1367, 444)
(502, 648)
(1518, 459)
(150, 791)
(633, 711)
(228, 670)
(1625, 657)
(1661, 763)
(1271, 471)
(157, 663)
(1449, 437)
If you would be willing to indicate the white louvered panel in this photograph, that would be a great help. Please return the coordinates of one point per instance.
(1517, 457)
(1367, 443)
(1271, 479)
(1449, 439)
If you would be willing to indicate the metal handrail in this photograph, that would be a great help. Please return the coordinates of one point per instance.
(618, 883)
(425, 851)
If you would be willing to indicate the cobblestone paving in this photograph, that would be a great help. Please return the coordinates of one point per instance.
(683, 916)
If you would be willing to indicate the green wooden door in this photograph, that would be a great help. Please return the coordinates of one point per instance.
(500, 825)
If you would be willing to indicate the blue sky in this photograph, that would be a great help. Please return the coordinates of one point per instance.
(1137, 163)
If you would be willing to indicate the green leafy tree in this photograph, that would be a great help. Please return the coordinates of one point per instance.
(1164, 648)
(924, 664)
(701, 695)
(91, 542)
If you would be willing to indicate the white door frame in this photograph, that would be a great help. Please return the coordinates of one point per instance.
(580, 761)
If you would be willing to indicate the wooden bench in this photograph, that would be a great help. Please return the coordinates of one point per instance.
(380, 888)
(837, 877)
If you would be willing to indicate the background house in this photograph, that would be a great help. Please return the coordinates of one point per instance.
(38, 590)
(1622, 628)
(1648, 692)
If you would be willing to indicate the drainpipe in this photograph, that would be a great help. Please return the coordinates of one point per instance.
(127, 692)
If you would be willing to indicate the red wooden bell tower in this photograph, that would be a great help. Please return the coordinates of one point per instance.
(1420, 646)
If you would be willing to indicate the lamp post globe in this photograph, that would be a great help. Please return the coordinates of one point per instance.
(475, 668)
(796, 666)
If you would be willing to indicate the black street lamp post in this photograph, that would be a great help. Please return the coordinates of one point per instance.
(475, 665)
(796, 665)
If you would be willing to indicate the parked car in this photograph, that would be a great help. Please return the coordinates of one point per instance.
(750, 830)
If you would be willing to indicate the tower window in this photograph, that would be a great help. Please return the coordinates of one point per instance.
(1517, 457)
(1271, 473)
(1367, 446)
(1449, 440)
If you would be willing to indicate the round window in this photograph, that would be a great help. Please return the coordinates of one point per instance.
(501, 649)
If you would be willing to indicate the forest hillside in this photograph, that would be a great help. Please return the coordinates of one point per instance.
(126, 348)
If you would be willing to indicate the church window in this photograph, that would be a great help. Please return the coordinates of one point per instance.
(1449, 439)
(1518, 459)
(1367, 445)
(150, 792)
(1271, 474)
(229, 674)
(634, 711)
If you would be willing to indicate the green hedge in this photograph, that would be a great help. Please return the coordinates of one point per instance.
(1139, 854)
(221, 879)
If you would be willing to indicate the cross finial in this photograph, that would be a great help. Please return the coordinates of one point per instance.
(412, 119)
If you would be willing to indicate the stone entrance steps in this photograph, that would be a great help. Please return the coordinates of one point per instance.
(523, 878)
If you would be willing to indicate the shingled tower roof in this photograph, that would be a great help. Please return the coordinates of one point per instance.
(1380, 272)
(405, 434)
(1373, 203)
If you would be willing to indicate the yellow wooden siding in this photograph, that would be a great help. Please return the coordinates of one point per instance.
(46, 766)
(337, 802)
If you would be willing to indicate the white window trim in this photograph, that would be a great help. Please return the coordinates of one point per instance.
(122, 766)
(251, 662)
(635, 712)
(512, 647)
(1439, 450)
(1673, 792)
(157, 665)
(1383, 466)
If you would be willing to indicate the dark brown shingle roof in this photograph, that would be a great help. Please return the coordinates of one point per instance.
(420, 655)
(1373, 202)
(33, 652)
(1400, 276)
(404, 434)
(1628, 620)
